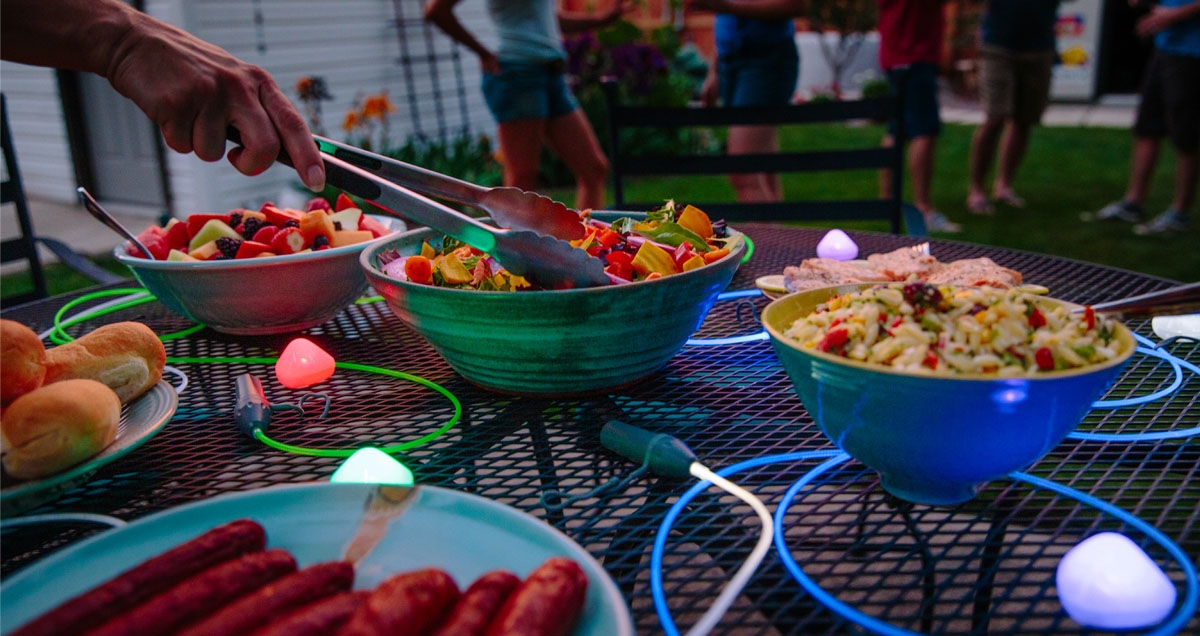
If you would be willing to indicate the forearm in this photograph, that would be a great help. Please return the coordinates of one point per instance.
(81, 35)
(441, 14)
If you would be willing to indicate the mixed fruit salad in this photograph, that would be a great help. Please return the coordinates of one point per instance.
(669, 240)
(267, 231)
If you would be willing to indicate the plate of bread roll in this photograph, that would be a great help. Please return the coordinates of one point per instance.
(71, 409)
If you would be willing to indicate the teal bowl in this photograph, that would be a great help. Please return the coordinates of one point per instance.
(554, 343)
(934, 439)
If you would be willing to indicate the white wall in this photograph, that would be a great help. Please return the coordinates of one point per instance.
(816, 75)
(39, 134)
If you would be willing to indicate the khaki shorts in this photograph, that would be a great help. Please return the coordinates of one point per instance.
(1015, 84)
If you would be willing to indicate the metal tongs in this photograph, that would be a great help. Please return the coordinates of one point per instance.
(1173, 301)
(551, 262)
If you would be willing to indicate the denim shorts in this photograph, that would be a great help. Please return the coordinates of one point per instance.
(528, 90)
(921, 111)
(764, 77)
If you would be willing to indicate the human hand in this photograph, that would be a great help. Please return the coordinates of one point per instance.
(194, 91)
(489, 63)
(710, 90)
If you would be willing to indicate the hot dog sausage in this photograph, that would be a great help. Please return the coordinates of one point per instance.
(275, 598)
(200, 595)
(150, 577)
(473, 612)
(406, 604)
(320, 618)
(548, 603)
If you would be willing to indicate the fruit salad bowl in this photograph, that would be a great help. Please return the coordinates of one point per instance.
(554, 342)
(260, 295)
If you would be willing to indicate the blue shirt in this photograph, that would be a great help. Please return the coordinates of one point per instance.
(733, 33)
(1183, 38)
(1020, 25)
(528, 30)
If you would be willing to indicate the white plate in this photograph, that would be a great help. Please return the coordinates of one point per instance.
(465, 535)
(140, 420)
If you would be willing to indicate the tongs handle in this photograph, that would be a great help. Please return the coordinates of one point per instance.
(404, 174)
(396, 200)
(1173, 301)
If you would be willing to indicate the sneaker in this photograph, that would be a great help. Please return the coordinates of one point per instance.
(1120, 211)
(1169, 221)
(937, 222)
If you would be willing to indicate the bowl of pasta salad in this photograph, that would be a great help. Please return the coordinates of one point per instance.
(941, 388)
(505, 333)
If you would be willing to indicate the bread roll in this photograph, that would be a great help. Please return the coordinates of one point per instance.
(126, 356)
(57, 426)
(22, 361)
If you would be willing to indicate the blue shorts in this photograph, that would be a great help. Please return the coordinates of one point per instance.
(764, 77)
(528, 90)
(922, 115)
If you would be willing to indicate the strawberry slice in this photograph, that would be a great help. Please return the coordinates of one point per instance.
(250, 249)
(289, 240)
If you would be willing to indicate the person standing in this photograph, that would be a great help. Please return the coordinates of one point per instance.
(910, 48)
(526, 91)
(757, 64)
(1016, 54)
(191, 89)
(1170, 107)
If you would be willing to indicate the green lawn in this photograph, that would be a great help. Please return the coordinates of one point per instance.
(1067, 171)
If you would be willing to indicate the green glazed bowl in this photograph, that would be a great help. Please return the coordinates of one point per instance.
(934, 439)
(554, 343)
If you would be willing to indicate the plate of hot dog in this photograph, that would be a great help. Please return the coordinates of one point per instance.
(322, 558)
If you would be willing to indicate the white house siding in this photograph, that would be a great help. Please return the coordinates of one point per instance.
(39, 137)
(352, 44)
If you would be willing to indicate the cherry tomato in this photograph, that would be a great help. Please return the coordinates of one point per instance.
(418, 269)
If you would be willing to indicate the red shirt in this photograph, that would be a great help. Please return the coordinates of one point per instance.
(910, 31)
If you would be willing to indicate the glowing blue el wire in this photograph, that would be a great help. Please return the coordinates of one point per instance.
(660, 539)
(1172, 626)
(754, 337)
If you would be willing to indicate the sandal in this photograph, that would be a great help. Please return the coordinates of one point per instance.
(1009, 198)
(980, 206)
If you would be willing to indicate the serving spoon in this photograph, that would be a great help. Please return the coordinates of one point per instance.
(104, 216)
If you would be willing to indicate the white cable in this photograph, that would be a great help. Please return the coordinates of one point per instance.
(63, 517)
(94, 310)
(183, 379)
(711, 617)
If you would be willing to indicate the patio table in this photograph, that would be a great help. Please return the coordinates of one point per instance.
(987, 566)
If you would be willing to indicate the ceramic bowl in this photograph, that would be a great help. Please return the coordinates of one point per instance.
(934, 439)
(554, 343)
(268, 295)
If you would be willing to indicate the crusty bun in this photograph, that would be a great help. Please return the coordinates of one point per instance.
(22, 361)
(126, 356)
(57, 426)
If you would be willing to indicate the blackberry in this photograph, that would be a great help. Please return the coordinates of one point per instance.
(320, 241)
(235, 219)
(291, 223)
(228, 246)
(251, 226)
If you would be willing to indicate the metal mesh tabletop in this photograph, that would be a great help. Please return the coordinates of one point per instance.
(985, 567)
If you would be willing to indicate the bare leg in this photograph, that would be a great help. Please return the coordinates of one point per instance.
(1187, 173)
(920, 167)
(1016, 142)
(754, 188)
(983, 152)
(572, 138)
(1143, 162)
(521, 148)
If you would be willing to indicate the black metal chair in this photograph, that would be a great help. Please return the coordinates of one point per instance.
(25, 246)
(893, 208)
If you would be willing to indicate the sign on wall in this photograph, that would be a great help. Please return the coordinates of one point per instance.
(1079, 27)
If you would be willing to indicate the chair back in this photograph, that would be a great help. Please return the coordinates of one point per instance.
(23, 247)
(892, 208)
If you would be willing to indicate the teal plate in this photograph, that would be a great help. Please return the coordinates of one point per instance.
(465, 535)
(140, 420)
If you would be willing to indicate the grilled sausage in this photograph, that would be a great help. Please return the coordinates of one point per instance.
(411, 603)
(132, 587)
(548, 603)
(320, 618)
(200, 595)
(473, 612)
(277, 597)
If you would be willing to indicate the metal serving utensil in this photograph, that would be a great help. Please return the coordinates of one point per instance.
(509, 207)
(104, 216)
(1173, 301)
